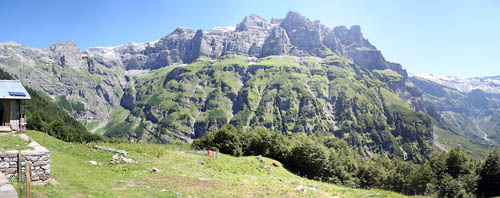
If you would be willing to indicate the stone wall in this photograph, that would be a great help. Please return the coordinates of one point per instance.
(39, 158)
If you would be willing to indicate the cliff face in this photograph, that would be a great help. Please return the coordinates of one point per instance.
(290, 74)
(63, 71)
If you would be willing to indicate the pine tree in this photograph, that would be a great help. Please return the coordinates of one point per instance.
(489, 182)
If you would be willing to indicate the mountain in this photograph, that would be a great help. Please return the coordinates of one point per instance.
(468, 107)
(290, 75)
(45, 116)
(465, 85)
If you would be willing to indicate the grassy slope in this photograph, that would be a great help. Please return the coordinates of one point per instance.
(472, 147)
(11, 141)
(117, 117)
(182, 172)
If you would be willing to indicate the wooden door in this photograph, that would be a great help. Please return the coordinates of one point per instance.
(6, 113)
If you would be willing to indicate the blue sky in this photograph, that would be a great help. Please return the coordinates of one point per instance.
(459, 38)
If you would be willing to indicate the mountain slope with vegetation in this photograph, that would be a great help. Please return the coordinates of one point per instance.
(467, 117)
(292, 76)
(43, 115)
(286, 94)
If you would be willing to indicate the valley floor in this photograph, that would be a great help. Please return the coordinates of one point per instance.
(183, 173)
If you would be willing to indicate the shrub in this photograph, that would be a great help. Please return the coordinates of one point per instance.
(307, 157)
(226, 139)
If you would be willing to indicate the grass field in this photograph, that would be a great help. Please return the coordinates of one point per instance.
(183, 173)
(12, 141)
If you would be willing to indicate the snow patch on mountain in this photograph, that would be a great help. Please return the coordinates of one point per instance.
(489, 84)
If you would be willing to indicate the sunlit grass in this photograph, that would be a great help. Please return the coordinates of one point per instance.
(12, 141)
(184, 173)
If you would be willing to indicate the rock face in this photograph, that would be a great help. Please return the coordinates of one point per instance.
(63, 71)
(277, 43)
(304, 34)
(191, 81)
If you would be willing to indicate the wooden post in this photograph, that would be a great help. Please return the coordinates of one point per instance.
(19, 166)
(28, 180)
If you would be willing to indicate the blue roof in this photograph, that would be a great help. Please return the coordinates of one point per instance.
(13, 89)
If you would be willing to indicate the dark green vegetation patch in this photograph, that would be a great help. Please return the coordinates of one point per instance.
(283, 93)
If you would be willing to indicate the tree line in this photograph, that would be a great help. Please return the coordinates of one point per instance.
(330, 159)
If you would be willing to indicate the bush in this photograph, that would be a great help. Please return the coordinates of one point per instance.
(35, 122)
(369, 175)
(225, 139)
(307, 157)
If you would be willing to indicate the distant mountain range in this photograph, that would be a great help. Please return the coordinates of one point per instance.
(468, 107)
(291, 75)
(486, 84)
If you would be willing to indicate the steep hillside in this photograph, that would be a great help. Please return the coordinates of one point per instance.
(288, 94)
(86, 90)
(464, 107)
(45, 116)
(290, 75)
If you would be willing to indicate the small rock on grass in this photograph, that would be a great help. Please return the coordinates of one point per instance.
(94, 163)
(119, 159)
(203, 179)
(53, 182)
(127, 160)
(177, 193)
(299, 188)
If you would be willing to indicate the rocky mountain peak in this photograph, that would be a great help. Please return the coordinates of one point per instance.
(355, 34)
(68, 46)
(352, 36)
(277, 43)
(66, 54)
(253, 21)
(294, 20)
(182, 30)
(303, 33)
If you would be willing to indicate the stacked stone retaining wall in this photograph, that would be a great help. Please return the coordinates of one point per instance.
(39, 158)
